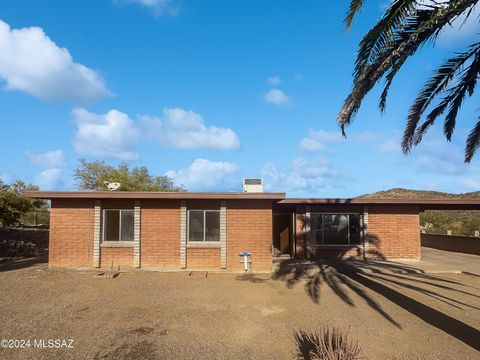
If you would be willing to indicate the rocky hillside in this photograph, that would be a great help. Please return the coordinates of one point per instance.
(399, 193)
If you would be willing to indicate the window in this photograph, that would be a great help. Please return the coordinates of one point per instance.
(203, 225)
(117, 225)
(336, 229)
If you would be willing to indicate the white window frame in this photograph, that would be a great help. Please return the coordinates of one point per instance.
(119, 226)
(204, 227)
(337, 245)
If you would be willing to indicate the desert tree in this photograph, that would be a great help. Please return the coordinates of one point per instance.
(93, 175)
(13, 205)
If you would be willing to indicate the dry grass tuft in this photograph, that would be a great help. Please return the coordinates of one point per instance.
(325, 343)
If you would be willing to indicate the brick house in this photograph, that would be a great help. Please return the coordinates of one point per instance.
(186, 230)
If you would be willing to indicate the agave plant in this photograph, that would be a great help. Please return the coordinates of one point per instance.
(405, 26)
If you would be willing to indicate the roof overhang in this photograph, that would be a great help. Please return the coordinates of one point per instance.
(422, 204)
(140, 195)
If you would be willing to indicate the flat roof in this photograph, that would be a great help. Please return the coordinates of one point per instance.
(422, 204)
(366, 201)
(151, 195)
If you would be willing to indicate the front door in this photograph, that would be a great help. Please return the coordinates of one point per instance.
(282, 234)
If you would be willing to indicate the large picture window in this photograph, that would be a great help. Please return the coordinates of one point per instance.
(117, 225)
(203, 225)
(336, 229)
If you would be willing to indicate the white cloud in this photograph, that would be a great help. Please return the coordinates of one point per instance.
(158, 7)
(391, 145)
(204, 174)
(363, 137)
(439, 156)
(48, 179)
(277, 97)
(184, 129)
(304, 176)
(274, 80)
(31, 62)
(309, 144)
(111, 135)
(49, 159)
(115, 135)
(52, 163)
(318, 140)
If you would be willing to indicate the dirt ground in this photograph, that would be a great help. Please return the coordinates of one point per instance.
(394, 313)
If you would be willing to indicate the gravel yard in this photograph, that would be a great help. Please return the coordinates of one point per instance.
(393, 313)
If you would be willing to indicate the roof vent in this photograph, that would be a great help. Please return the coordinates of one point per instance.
(253, 185)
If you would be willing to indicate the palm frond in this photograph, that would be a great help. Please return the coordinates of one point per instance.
(355, 6)
(434, 86)
(431, 117)
(408, 29)
(422, 131)
(415, 30)
(473, 142)
(382, 36)
(466, 84)
(382, 103)
(364, 82)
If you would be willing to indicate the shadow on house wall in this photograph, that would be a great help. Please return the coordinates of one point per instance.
(368, 248)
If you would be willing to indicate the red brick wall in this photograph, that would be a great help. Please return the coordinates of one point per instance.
(71, 234)
(394, 231)
(249, 228)
(160, 234)
(203, 258)
(329, 252)
(113, 257)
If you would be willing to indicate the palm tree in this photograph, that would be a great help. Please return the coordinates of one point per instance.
(405, 26)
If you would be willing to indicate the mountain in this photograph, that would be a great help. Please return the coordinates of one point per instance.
(399, 193)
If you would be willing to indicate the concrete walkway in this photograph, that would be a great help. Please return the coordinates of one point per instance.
(441, 261)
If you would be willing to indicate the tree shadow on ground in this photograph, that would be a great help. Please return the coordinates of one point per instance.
(250, 278)
(352, 275)
(23, 263)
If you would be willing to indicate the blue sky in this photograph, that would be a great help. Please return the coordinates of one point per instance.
(211, 91)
